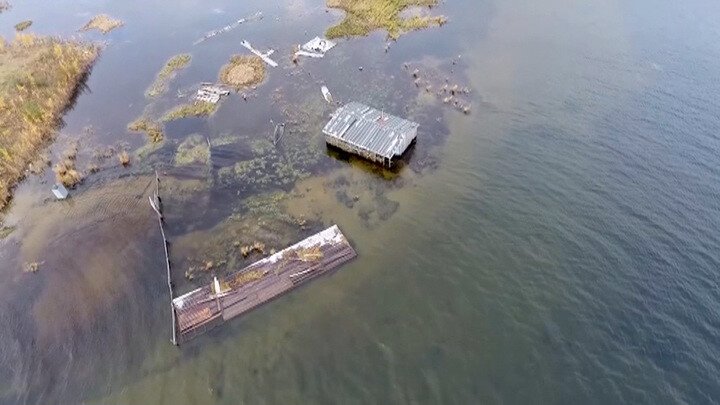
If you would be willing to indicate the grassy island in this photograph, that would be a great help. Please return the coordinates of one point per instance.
(365, 16)
(167, 73)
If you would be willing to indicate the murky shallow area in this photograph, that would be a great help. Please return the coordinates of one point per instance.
(557, 244)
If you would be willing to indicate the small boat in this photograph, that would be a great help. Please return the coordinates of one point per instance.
(326, 94)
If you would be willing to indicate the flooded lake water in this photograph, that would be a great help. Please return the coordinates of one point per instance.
(559, 244)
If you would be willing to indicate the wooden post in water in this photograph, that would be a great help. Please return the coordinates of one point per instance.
(157, 206)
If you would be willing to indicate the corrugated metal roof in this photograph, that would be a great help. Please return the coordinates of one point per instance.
(370, 129)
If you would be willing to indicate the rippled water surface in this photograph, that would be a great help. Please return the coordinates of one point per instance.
(557, 245)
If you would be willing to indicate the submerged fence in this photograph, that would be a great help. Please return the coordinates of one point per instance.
(156, 204)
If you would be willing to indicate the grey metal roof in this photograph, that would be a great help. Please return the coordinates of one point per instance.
(370, 129)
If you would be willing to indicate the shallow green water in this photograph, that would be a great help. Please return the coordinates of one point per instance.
(557, 245)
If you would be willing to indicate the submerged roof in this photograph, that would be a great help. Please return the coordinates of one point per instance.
(370, 129)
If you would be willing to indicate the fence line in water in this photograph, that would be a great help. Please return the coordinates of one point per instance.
(157, 206)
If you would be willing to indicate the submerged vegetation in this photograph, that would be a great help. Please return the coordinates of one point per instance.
(268, 167)
(152, 129)
(193, 150)
(23, 25)
(364, 16)
(196, 109)
(38, 80)
(243, 71)
(259, 228)
(5, 231)
(167, 73)
(103, 23)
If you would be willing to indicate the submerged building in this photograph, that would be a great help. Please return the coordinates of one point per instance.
(370, 133)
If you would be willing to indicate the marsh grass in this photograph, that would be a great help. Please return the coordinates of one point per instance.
(39, 78)
(5, 231)
(103, 23)
(365, 16)
(152, 129)
(196, 109)
(23, 25)
(167, 73)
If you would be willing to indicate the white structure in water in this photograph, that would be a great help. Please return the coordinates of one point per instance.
(59, 191)
(316, 47)
(370, 133)
(211, 93)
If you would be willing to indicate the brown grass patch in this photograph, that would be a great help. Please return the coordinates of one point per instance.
(243, 71)
(38, 79)
(103, 23)
(245, 277)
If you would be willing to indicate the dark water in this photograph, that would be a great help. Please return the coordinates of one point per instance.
(558, 245)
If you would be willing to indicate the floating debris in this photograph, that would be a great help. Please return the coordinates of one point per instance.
(124, 158)
(31, 267)
(210, 93)
(256, 16)
(315, 48)
(264, 56)
(279, 132)
(326, 94)
(59, 191)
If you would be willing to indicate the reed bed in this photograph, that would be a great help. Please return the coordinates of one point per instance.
(39, 80)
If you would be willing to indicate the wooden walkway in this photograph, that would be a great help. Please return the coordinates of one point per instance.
(262, 281)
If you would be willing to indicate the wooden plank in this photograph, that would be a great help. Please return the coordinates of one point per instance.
(262, 281)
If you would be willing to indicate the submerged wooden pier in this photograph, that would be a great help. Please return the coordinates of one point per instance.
(204, 308)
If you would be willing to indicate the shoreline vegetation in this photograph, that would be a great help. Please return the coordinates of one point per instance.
(103, 23)
(167, 73)
(39, 80)
(365, 16)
